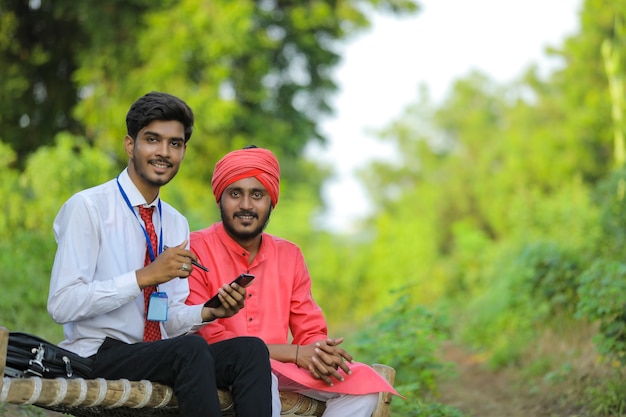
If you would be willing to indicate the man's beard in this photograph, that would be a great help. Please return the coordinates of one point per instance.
(246, 235)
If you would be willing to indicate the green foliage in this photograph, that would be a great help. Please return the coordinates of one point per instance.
(530, 287)
(609, 194)
(613, 65)
(254, 72)
(603, 298)
(26, 264)
(77, 166)
(21, 411)
(37, 92)
(406, 337)
(549, 274)
(607, 398)
(400, 256)
(11, 204)
(492, 190)
(418, 408)
(500, 322)
(586, 130)
(33, 199)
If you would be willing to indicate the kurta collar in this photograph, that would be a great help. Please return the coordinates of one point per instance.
(233, 246)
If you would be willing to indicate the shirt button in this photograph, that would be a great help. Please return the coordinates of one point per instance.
(250, 319)
(249, 295)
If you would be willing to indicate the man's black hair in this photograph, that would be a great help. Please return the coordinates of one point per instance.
(158, 106)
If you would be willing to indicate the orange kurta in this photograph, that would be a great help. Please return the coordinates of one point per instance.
(279, 300)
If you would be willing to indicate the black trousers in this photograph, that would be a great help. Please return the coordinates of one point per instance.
(195, 369)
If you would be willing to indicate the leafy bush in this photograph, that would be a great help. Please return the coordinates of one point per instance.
(530, 286)
(551, 274)
(607, 398)
(406, 337)
(26, 260)
(609, 195)
(27, 252)
(603, 297)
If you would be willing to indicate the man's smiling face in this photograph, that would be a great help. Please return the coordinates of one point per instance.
(245, 208)
(155, 155)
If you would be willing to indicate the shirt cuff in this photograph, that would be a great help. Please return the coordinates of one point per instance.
(127, 285)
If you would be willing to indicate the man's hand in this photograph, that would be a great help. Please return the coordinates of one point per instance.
(232, 297)
(324, 358)
(175, 262)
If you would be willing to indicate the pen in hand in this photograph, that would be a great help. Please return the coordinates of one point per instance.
(204, 268)
(194, 263)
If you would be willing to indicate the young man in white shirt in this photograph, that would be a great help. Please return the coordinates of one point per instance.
(108, 256)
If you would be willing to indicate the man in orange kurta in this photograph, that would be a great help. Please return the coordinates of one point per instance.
(279, 300)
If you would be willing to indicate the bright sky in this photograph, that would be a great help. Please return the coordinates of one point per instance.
(382, 70)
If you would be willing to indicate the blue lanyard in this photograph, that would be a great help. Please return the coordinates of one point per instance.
(145, 232)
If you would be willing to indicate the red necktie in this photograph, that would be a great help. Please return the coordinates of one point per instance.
(152, 329)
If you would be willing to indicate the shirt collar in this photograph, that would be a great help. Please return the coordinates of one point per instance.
(132, 192)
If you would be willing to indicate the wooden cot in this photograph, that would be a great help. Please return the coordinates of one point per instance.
(108, 398)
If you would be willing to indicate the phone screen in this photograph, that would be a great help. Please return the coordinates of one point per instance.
(242, 280)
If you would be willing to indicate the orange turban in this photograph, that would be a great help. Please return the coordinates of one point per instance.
(244, 163)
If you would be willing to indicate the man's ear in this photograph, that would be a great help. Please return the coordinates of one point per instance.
(129, 145)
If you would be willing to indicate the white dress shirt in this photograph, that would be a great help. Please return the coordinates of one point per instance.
(93, 288)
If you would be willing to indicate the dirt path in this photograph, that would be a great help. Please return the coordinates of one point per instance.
(480, 392)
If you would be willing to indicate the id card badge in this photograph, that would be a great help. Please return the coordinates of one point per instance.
(157, 308)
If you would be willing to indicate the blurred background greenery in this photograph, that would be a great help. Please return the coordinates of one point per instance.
(501, 226)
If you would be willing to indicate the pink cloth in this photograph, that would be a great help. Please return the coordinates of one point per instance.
(362, 380)
(279, 300)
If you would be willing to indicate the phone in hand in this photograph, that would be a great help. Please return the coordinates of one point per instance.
(242, 280)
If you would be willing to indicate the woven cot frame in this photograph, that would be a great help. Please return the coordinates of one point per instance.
(112, 398)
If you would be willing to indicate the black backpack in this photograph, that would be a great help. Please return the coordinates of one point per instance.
(29, 355)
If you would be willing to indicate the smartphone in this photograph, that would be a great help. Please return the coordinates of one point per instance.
(242, 280)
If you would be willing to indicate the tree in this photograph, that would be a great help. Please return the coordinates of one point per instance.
(255, 71)
(37, 62)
